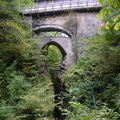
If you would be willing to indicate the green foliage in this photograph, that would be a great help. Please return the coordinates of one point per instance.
(53, 58)
(110, 7)
(17, 86)
(6, 111)
(94, 79)
(53, 55)
(79, 82)
(110, 14)
(10, 9)
(39, 100)
(13, 32)
(79, 112)
(24, 90)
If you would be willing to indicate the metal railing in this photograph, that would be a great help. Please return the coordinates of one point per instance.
(52, 6)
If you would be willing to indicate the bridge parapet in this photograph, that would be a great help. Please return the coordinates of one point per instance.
(60, 5)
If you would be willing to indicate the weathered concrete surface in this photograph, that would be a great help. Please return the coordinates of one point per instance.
(76, 25)
(62, 24)
(83, 24)
(87, 24)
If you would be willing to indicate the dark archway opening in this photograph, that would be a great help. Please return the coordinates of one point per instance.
(57, 49)
(53, 28)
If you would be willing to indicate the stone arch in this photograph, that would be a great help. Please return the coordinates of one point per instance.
(63, 52)
(53, 27)
(65, 44)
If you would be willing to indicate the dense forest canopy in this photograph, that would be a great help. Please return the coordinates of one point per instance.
(27, 74)
(24, 87)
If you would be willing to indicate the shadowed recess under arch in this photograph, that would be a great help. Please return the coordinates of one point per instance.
(48, 28)
(63, 52)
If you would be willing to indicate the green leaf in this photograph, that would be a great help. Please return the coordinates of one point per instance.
(107, 27)
(101, 1)
(103, 12)
(110, 11)
(100, 15)
(110, 1)
(117, 26)
(115, 19)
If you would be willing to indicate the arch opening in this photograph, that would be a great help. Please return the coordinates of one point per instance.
(53, 28)
(53, 34)
(59, 49)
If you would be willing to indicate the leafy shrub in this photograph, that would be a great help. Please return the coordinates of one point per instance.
(77, 111)
(39, 100)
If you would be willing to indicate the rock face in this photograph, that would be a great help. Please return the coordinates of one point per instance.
(59, 89)
(61, 69)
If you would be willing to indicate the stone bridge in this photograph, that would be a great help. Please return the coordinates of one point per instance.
(74, 18)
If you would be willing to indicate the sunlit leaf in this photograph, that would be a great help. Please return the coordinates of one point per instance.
(101, 1)
(117, 26)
